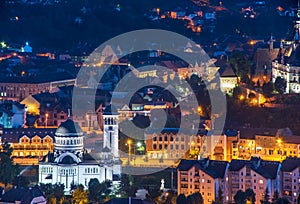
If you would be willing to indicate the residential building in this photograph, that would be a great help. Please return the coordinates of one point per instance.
(204, 176)
(23, 195)
(255, 174)
(290, 179)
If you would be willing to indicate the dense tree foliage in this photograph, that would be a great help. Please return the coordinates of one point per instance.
(280, 85)
(8, 170)
(242, 197)
(54, 193)
(80, 196)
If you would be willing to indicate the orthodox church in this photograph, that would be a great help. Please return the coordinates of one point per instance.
(70, 164)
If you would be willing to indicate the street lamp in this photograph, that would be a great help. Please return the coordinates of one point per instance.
(279, 141)
(46, 121)
(129, 150)
(139, 144)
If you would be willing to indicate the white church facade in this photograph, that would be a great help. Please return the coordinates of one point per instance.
(70, 164)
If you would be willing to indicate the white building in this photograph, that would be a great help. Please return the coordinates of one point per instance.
(288, 64)
(290, 73)
(228, 80)
(71, 164)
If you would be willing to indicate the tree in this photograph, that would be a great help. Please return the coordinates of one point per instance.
(219, 199)
(80, 196)
(105, 190)
(54, 192)
(20, 181)
(193, 153)
(181, 199)
(240, 62)
(239, 197)
(8, 170)
(282, 201)
(195, 198)
(280, 85)
(250, 195)
(237, 92)
(266, 199)
(126, 185)
(94, 189)
(275, 197)
(191, 200)
(198, 198)
(58, 191)
(268, 89)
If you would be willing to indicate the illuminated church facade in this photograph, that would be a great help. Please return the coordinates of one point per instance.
(70, 164)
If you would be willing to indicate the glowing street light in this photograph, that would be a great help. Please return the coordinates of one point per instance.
(3, 44)
(129, 150)
(46, 121)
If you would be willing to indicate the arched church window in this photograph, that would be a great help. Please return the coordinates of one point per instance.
(67, 142)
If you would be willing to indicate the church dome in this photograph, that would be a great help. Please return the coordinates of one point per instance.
(69, 128)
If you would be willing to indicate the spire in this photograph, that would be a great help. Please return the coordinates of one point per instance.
(271, 42)
(69, 113)
(297, 23)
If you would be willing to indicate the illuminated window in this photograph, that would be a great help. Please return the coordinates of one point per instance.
(261, 181)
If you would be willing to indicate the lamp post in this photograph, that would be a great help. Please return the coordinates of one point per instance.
(279, 141)
(46, 120)
(129, 150)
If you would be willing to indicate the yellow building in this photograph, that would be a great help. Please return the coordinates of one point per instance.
(29, 144)
(268, 144)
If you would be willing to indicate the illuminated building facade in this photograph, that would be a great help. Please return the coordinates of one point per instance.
(208, 176)
(29, 144)
(290, 176)
(170, 144)
(71, 164)
(268, 144)
(203, 176)
(255, 174)
(288, 65)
